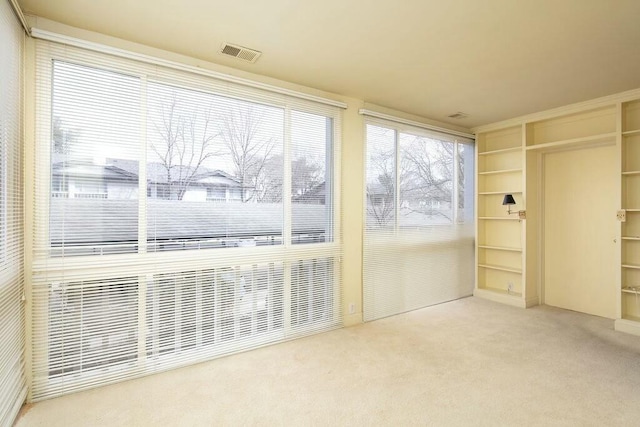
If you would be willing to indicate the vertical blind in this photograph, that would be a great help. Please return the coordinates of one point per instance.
(177, 218)
(12, 341)
(418, 240)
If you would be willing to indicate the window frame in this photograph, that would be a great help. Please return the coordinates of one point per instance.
(48, 269)
(458, 216)
(177, 78)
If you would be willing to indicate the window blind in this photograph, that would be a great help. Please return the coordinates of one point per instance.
(418, 240)
(178, 217)
(12, 362)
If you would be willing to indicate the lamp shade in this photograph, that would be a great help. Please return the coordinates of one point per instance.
(508, 200)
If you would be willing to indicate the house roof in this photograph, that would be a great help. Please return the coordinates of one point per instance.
(316, 193)
(157, 173)
(94, 221)
(92, 171)
(127, 170)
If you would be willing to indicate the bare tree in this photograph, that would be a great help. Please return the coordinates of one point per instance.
(249, 148)
(427, 176)
(188, 140)
(381, 191)
(306, 176)
(62, 138)
(268, 185)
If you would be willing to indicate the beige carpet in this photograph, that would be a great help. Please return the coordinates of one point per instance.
(468, 362)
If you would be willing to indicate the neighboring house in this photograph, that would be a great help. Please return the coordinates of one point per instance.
(206, 185)
(104, 210)
(82, 180)
(414, 211)
(379, 195)
(118, 179)
(315, 196)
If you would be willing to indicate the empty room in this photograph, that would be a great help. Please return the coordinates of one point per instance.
(319, 213)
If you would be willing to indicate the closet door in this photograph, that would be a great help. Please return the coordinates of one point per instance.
(580, 230)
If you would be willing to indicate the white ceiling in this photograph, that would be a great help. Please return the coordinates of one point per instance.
(492, 59)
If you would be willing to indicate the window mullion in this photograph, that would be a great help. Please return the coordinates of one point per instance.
(396, 192)
(142, 223)
(142, 168)
(456, 183)
(286, 179)
(286, 199)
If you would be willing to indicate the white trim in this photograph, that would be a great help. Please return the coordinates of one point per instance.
(628, 326)
(18, 11)
(396, 119)
(148, 59)
(609, 100)
(503, 298)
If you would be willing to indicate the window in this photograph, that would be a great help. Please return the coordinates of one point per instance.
(94, 115)
(200, 146)
(217, 194)
(311, 183)
(418, 243)
(429, 173)
(197, 141)
(170, 214)
(81, 343)
(426, 180)
(381, 177)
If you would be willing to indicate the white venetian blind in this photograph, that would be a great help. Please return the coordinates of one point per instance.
(418, 241)
(178, 218)
(12, 342)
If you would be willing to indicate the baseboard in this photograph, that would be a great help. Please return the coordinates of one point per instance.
(503, 298)
(628, 326)
(531, 302)
(352, 319)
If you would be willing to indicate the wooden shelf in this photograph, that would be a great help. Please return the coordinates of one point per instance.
(501, 248)
(630, 287)
(500, 171)
(501, 268)
(501, 151)
(498, 263)
(592, 139)
(498, 218)
(489, 193)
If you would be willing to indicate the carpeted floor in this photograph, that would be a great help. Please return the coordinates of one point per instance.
(468, 362)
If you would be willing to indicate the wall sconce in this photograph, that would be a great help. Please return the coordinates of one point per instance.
(508, 201)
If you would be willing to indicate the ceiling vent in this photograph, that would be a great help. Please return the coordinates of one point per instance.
(240, 52)
(458, 115)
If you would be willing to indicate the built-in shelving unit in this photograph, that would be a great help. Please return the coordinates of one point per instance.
(630, 185)
(513, 158)
(499, 244)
